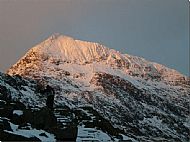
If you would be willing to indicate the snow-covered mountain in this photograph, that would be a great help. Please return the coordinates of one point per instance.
(65, 53)
(142, 100)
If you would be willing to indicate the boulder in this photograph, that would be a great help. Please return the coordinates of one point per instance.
(68, 134)
(18, 117)
(4, 93)
(44, 119)
(5, 125)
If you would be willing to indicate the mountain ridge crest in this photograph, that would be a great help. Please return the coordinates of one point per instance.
(60, 50)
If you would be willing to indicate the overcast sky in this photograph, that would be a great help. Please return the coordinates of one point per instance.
(157, 30)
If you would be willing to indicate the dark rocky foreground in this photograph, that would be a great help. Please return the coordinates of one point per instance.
(145, 117)
(62, 122)
(14, 113)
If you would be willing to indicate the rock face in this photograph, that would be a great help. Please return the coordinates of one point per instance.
(20, 121)
(45, 119)
(133, 98)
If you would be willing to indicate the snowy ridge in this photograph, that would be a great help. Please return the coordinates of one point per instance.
(59, 50)
(66, 48)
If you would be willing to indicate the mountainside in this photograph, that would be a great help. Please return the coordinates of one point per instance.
(25, 117)
(136, 99)
(59, 51)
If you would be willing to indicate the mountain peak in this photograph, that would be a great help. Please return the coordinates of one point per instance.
(58, 36)
(55, 35)
(67, 48)
(59, 51)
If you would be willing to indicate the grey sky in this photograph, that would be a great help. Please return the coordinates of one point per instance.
(157, 30)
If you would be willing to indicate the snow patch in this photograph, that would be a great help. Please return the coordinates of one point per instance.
(18, 112)
(31, 133)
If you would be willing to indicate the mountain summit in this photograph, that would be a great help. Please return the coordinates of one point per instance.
(119, 96)
(60, 50)
(68, 49)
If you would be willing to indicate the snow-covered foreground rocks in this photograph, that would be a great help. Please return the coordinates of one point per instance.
(132, 97)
